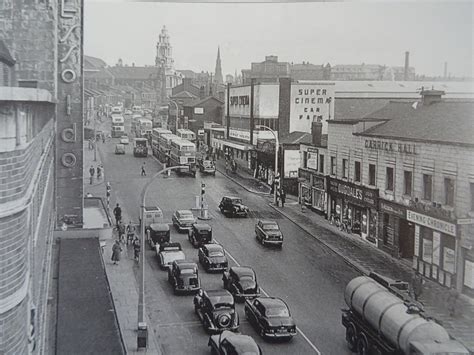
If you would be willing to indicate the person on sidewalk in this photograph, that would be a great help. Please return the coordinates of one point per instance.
(136, 248)
(452, 300)
(118, 214)
(92, 172)
(116, 252)
(143, 173)
(417, 285)
(283, 197)
(99, 172)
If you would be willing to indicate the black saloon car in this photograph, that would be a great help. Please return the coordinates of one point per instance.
(212, 257)
(183, 220)
(232, 343)
(183, 276)
(270, 317)
(216, 310)
(158, 233)
(268, 233)
(233, 206)
(200, 234)
(241, 281)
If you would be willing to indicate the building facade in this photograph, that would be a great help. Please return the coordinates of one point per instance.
(165, 62)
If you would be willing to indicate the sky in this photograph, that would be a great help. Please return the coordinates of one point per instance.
(335, 32)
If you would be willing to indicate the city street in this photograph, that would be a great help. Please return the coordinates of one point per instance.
(307, 275)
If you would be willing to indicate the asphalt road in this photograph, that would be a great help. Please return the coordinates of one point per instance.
(307, 275)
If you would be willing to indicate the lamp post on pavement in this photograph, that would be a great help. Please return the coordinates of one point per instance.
(277, 146)
(177, 112)
(141, 291)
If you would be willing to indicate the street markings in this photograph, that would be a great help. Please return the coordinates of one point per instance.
(316, 350)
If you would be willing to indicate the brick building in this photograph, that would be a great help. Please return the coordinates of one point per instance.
(404, 175)
(198, 112)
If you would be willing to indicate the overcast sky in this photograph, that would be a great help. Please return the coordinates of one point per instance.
(338, 33)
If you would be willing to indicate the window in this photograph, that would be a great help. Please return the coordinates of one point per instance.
(333, 165)
(345, 168)
(321, 163)
(471, 185)
(449, 191)
(372, 174)
(427, 187)
(357, 171)
(407, 183)
(389, 179)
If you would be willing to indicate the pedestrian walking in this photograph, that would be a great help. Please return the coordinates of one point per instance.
(103, 138)
(92, 172)
(118, 215)
(99, 172)
(417, 285)
(452, 300)
(90, 144)
(283, 197)
(116, 252)
(143, 170)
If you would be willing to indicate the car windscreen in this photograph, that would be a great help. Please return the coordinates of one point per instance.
(236, 200)
(187, 272)
(186, 216)
(216, 253)
(277, 312)
(271, 227)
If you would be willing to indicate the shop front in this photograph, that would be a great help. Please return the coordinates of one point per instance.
(396, 234)
(304, 187)
(354, 205)
(318, 192)
(434, 247)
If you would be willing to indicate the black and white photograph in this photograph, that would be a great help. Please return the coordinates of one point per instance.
(236, 177)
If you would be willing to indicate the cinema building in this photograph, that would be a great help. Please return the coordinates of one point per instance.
(406, 173)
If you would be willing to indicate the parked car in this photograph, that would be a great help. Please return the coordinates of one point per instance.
(233, 206)
(241, 281)
(207, 167)
(270, 317)
(200, 234)
(183, 220)
(119, 149)
(128, 112)
(228, 342)
(168, 253)
(268, 233)
(158, 233)
(184, 277)
(124, 140)
(216, 310)
(212, 257)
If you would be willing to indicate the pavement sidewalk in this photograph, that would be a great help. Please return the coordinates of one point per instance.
(365, 257)
(121, 277)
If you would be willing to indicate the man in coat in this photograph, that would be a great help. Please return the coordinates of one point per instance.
(116, 252)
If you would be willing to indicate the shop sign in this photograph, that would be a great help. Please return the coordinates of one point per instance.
(240, 100)
(392, 209)
(430, 222)
(392, 147)
(312, 160)
(354, 192)
(464, 221)
(238, 134)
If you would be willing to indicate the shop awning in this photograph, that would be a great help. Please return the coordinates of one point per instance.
(237, 145)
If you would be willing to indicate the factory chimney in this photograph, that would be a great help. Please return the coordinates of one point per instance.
(407, 64)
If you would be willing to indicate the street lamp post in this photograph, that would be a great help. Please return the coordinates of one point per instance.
(141, 291)
(277, 146)
(177, 112)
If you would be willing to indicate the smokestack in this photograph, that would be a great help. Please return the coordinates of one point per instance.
(445, 70)
(407, 64)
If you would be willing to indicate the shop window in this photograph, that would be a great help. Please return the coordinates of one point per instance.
(333, 165)
(357, 171)
(407, 183)
(372, 174)
(345, 168)
(389, 179)
(449, 191)
(427, 187)
(321, 163)
(427, 245)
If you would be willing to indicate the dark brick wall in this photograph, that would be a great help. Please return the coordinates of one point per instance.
(284, 107)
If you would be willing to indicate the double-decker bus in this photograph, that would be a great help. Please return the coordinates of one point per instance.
(183, 152)
(144, 128)
(155, 136)
(164, 146)
(186, 134)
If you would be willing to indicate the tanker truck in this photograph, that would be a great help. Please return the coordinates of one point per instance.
(379, 321)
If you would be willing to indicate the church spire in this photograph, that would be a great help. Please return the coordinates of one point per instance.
(218, 73)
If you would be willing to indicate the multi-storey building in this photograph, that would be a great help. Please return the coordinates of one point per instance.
(404, 176)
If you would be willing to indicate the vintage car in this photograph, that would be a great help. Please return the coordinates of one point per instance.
(231, 343)
(233, 206)
(216, 310)
(268, 233)
(200, 234)
(124, 140)
(184, 277)
(207, 167)
(183, 220)
(168, 253)
(270, 317)
(241, 281)
(158, 233)
(212, 257)
(119, 149)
